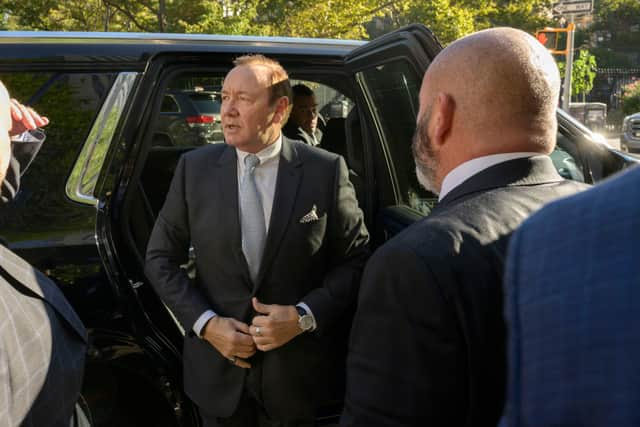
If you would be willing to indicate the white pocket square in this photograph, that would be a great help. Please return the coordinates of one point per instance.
(311, 216)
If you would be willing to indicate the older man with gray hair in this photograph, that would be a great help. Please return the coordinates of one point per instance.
(428, 340)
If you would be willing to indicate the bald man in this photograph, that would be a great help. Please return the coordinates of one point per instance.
(428, 341)
(42, 340)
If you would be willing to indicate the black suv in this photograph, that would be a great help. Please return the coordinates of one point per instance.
(89, 200)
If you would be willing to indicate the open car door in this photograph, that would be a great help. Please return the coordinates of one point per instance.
(389, 73)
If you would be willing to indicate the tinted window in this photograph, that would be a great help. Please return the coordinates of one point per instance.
(193, 101)
(566, 159)
(41, 210)
(206, 103)
(169, 105)
(393, 89)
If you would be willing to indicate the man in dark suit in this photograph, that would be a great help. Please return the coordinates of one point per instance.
(280, 244)
(42, 341)
(572, 285)
(304, 119)
(428, 341)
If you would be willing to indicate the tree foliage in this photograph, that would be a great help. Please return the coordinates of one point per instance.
(631, 98)
(583, 73)
(359, 19)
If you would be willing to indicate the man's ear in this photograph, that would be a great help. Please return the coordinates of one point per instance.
(281, 112)
(442, 113)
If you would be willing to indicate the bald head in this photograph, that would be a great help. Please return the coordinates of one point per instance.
(505, 86)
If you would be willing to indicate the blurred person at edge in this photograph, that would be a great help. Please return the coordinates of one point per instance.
(42, 340)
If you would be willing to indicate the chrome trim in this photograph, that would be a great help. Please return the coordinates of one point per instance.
(161, 38)
(84, 175)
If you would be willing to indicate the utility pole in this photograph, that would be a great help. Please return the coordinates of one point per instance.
(566, 93)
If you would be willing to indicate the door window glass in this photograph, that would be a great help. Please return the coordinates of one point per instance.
(566, 159)
(169, 105)
(393, 89)
(190, 112)
(41, 210)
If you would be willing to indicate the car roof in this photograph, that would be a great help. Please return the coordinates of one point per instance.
(136, 47)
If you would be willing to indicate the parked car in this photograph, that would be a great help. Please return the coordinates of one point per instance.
(630, 137)
(189, 117)
(89, 200)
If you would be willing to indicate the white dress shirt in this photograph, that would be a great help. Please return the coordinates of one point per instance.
(467, 169)
(266, 174)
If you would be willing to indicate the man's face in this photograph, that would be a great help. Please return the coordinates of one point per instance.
(5, 127)
(246, 113)
(305, 113)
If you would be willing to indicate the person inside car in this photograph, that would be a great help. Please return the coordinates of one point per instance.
(303, 119)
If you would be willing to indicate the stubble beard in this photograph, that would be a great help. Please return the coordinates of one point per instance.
(424, 157)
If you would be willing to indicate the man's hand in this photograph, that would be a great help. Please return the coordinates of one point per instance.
(24, 118)
(277, 326)
(231, 338)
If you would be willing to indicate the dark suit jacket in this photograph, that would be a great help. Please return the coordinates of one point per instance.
(42, 348)
(291, 131)
(427, 344)
(319, 263)
(572, 290)
(23, 154)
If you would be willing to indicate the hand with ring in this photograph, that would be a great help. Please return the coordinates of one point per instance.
(274, 325)
(231, 338)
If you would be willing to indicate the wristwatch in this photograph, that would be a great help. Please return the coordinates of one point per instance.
(305, 320)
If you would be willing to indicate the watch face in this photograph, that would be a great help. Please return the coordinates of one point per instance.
(305, 322)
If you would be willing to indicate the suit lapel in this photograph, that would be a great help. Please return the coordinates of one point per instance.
(287, 184)
(518, 172)
(227, 183)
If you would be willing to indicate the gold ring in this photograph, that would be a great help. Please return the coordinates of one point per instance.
(258, 332)
(232, 359)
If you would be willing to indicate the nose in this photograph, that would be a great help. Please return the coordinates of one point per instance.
(228, 108)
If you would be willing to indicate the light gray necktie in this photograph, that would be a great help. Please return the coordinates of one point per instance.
(251, 217)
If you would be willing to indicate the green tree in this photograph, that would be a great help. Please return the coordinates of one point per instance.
(631, 98)
(583, 73)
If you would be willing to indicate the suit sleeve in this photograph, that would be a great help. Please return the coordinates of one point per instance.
(168, 249)
(22, 154)
(403, 361)
(348, 246)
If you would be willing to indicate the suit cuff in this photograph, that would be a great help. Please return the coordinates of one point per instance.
(35, 135)
(202, 320)
(308, 310)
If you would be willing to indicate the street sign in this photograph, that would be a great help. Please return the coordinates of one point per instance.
(574, 7)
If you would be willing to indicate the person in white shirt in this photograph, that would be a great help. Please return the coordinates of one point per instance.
(280, 244)
(428, 343)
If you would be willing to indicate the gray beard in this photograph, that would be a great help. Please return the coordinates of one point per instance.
(426, 178)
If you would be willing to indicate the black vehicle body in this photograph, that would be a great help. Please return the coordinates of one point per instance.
(89, 200)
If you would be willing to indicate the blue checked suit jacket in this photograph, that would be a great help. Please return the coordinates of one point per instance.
(573, 313)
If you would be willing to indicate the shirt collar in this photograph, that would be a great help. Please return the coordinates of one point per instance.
(267, 154)
(469, 168)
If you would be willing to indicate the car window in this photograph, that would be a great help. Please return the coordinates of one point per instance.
(208, 103)
(393, 89)
(71, 101)
(190, 112)
(169, 105)
(566, 159)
